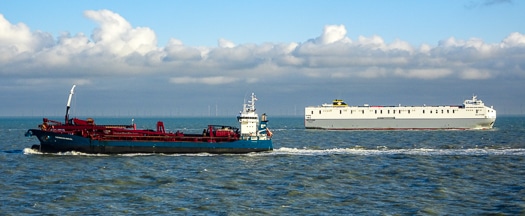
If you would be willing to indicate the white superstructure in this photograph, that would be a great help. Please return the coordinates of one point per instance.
(473, 114)
(249, 122)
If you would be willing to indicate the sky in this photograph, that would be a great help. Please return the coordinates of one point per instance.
(204, 58)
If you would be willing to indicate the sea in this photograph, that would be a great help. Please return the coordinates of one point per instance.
(309, 172)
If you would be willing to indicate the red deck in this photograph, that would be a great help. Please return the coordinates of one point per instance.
(88, 129)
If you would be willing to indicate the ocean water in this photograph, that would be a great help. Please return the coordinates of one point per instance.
(310, 172)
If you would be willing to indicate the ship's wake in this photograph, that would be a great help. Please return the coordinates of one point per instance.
(386, 151)
(359, 151)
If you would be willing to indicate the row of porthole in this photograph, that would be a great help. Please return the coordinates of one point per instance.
(394, 111)
(437, 111)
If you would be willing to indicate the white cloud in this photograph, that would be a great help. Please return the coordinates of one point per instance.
(176, 51)
(118, 49)
(332, 34)
(373, 72)
(217, 80)
(475, 74)
(401, 45)
(425, 49)
(374, 42)
(16, 40)
(117, 36)
(424, 73)
(54, 80)
(514, 39)
(223, 43)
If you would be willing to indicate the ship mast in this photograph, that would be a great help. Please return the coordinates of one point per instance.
(69, 103)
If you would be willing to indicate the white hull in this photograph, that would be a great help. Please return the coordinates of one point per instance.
(473, 114)
(402, 124)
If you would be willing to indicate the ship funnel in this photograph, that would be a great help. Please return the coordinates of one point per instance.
(68, 106)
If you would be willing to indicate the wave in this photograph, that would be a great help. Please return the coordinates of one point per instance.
(31, 151)
(69, 153)
(322, 152)
(386, 151)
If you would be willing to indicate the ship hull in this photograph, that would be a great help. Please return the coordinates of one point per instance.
(52, 142)
(400, 124)
(472, 114)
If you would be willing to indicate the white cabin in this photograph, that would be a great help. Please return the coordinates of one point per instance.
(249, 122)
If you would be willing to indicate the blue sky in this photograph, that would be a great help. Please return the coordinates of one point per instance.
(195, 58)
(202, 23)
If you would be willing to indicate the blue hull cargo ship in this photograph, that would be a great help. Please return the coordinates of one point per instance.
(85, 136)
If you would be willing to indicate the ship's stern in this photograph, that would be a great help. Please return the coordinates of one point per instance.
(491, 114)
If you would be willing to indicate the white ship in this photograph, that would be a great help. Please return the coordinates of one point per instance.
(473, 114)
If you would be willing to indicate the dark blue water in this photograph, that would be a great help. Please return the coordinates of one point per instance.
(309, 172)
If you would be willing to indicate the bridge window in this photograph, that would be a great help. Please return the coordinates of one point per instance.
(319, 111)
(423, 111)
(376, 111)
(340, 112)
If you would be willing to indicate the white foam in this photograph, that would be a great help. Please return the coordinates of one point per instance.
(69, 153)
(382, 150)
(31, 151)
(75, 153)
